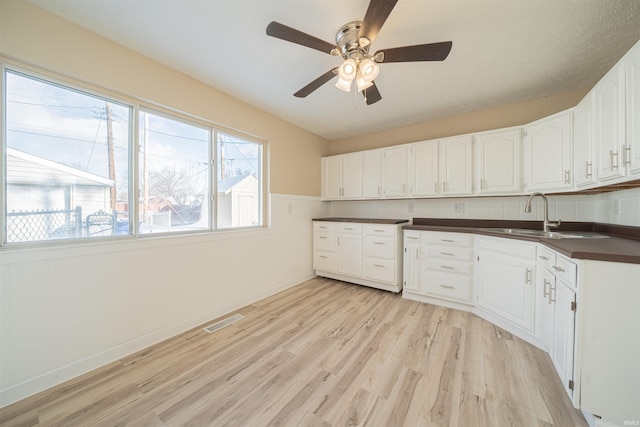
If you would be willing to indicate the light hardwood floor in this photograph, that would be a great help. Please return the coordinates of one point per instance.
(324, 353)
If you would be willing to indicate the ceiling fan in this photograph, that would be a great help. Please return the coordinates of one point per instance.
(353, 41)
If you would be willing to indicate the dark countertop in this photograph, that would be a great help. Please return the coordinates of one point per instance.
(622, 245)
(364, 220)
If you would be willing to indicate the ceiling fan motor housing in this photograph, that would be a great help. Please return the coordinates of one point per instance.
(349, 41)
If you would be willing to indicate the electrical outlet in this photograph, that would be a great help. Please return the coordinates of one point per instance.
(410, 208)
(459, 208)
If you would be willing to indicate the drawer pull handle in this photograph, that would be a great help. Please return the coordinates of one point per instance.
(447, 267)
(447, 253)
(447, 240)
(323, 238)
(528, 276)
(378, 243)
(348, 228)
(378, 265)
(554, 289)
(412, 238)
(560, 269)
(379, 231)
(323, 257)
(447, 286)
(544, 258)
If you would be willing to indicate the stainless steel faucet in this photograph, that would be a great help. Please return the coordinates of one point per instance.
(546, 224)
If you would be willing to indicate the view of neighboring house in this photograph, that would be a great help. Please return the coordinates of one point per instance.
(238, 198)
(42, 197)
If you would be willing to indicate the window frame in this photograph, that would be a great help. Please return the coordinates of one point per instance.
(136, 107)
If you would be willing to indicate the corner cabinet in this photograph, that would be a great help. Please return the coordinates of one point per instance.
(365, 253)
(497, 162)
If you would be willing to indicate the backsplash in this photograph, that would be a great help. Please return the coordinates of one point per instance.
(619, 207)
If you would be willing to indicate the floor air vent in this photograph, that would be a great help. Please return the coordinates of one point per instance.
(221, 324)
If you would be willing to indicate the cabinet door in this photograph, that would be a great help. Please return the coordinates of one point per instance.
(423, 169)
(585, 170)
(352, 175)
(497, 161)
(411, 261)
(394, 171)
(350, 254)
(632, 150)
(548, 156)
(506, 288)
(456, 166)
(562, 348)
(610, 123)
(372, 174)
(332, 177)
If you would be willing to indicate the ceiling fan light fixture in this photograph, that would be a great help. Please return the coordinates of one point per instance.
(343, 84)
(369, 69)
(348, 69)
(362, 83)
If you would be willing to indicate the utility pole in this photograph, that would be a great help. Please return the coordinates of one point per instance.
(145, 167)
(112, 163)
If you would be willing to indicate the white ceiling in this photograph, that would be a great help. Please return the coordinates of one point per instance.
(503, 51)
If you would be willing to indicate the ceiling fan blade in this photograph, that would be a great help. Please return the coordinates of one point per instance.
(302, 93)
(377, 13)
(281, 31)
(421, 52)
(372, 94)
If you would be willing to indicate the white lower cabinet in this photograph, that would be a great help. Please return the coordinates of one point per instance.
(505, 280)
(555, 312)
(438, 265)
(362, 253)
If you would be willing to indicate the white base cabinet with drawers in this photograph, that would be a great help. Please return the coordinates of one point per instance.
(438, 265)
(367, 254)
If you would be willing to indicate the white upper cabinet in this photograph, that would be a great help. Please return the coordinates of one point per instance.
(372, 174)
(423, 169)
(610, 124)
(395, 171)
(632, 150)
(342, 176)
(497, 162)
(584, 146)
(456, 166)
(547, 153)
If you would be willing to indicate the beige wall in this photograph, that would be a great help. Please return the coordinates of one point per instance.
(33, 36)
(492, 118)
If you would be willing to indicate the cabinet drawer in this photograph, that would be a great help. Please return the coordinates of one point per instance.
(382, 270)
(453, 239)
(350, 227)
(449, 252)
(324, 241)
(452, 286)
(380, 230)
(412, 236)
(450, 266)
(509, 247)
(547, 257)
(565, 270)
(379, 247)
(325, 261)
(324, 226)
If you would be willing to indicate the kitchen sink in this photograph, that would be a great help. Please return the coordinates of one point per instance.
(547, 234)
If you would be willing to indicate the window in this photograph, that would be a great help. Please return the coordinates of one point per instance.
(69, 156)
(66, 157)
(239, 182)
(174, 175)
